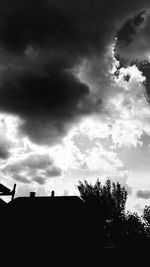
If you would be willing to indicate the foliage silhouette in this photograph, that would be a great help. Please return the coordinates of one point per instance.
(116, 228)
(146, 214)
(110, 196)
(146, 218)
(97, 220)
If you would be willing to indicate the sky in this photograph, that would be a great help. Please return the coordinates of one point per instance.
(75, 96)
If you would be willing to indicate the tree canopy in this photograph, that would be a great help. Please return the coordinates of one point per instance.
(110, 196)
(106, 207)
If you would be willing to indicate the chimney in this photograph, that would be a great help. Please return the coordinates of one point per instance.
(32, 194)
(52, 193)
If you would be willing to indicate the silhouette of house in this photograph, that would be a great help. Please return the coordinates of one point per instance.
(46, 206)
(57, 220)
(50, 227)
(5, 191)
(2, 203)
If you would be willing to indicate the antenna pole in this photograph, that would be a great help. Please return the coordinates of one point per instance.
(13, 192)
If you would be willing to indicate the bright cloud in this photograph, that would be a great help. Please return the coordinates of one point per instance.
(94, 145)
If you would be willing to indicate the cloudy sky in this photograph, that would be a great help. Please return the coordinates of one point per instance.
(75, 95)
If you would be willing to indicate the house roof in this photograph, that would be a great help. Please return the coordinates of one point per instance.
(2, 203)
(47, 199)
(4, 189)
(43, 204)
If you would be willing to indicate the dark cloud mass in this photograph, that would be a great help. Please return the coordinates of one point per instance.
(36, 23)
(21, 179)
(145, 194)
(4, 154)
(40, 180)
(133, 44)
(46, 100)
(5, 146)
(41, 42)
(35, 167)
(145, 68)
(53, 172)
(125, 35)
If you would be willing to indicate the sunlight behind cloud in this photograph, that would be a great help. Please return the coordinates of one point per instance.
(92, 145)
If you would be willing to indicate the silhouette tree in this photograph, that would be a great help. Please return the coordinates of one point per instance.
(111, 197)
(111, 225)
(146, 218)
(105, 209)
(146, 214)
(132, 231)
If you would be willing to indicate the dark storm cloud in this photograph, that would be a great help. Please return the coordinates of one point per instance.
(145, 68)
(75, 24)
(4, 154)
(133, 44)
(145, 194)
(53, 172)
(44, 100)
(34, 167)
(133, 40)
(21, 179)
(36, 161)
(40, 180)
(126, 34)
(40, 44)
(5, 146)
(36, 23)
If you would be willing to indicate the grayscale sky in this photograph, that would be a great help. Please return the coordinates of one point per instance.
(75, 95)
